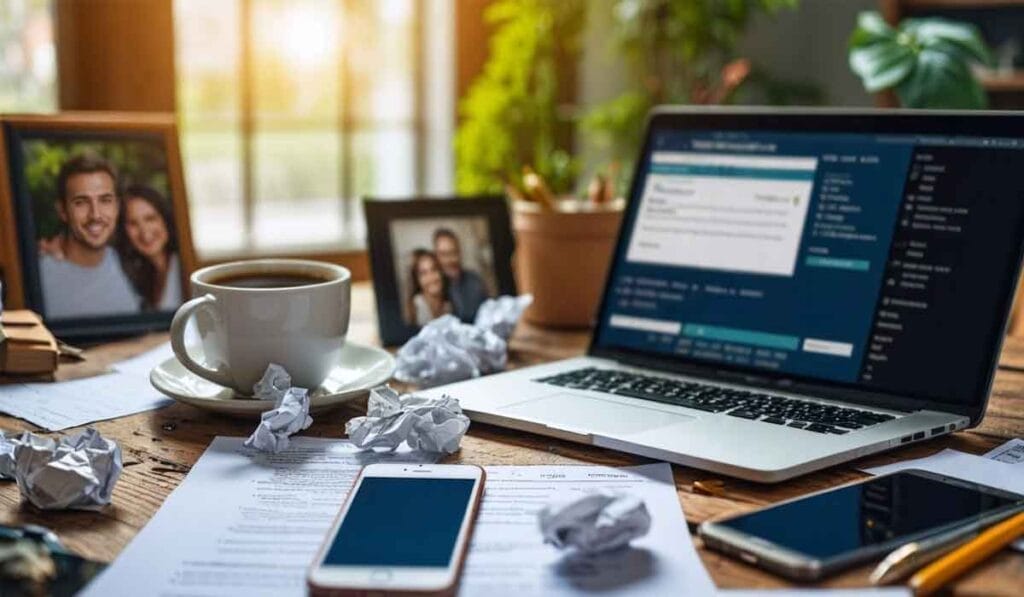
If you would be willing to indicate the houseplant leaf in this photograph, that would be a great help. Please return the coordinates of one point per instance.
(871, 27)
(876, 55)
(962, 38)
(940, 81)
(927, 62)
(882, 64)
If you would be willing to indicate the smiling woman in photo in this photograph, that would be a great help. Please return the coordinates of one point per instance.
(429, 298)
(149, 249)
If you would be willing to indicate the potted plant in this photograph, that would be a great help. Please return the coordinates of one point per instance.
(926, 63)
(516, 137)
(516, 131)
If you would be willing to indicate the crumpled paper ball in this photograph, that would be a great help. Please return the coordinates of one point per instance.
(427, 424)
(595, 523)
(447, 350)
(500, 315)
(273, 385)
(289, 416)
(75, 472)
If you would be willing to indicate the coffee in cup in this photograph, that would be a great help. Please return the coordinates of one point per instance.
(252, 313)
(276, 280)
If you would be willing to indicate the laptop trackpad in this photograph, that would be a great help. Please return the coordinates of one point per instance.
(573, 412)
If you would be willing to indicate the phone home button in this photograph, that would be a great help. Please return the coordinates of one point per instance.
(382, 575)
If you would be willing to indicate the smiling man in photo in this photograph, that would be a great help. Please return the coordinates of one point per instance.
(466, 288)
(88, 279)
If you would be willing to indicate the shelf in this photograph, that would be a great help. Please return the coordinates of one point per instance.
(995, 83)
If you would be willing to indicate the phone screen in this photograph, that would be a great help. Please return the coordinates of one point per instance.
(401, 522)
(877, 511)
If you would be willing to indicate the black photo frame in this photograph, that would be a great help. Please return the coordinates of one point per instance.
(143, 151)
(415, 222)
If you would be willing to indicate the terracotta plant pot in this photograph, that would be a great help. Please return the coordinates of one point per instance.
(562, 258)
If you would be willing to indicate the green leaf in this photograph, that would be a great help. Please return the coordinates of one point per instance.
(940, 81)
(882, 65)
(872, 27)
(926, 61)
(962, 36)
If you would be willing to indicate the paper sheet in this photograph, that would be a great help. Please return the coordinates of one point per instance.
(1011, 452)
(979, 469)
(242, 522)
(60, 405)
(246, 524)
(507, 556)
(954, 463)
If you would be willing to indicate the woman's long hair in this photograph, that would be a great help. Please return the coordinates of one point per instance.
(414, 280)
(140, 270)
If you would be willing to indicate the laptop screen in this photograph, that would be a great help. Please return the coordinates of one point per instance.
(877, 260)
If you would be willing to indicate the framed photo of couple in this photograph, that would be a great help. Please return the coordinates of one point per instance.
(94, 221)
(433, 257)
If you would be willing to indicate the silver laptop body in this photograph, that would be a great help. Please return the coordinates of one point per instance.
(774, 307)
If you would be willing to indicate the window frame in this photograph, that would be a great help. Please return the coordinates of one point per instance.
(352, 245)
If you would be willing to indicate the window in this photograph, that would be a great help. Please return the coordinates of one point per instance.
(291, 110)
(28, 59)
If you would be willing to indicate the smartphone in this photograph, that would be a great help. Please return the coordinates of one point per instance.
(403, 529)
(816, 535)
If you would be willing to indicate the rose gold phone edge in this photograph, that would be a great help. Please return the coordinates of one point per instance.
(476, 497)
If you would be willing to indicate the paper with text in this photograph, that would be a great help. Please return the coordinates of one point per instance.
(249, 524)
(1011, 452)
(242, 522)
(61, 405)
(507, 555)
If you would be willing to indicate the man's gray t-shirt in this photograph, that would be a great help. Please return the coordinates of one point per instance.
(70, 290)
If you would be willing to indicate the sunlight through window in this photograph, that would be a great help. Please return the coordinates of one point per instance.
(292, 111)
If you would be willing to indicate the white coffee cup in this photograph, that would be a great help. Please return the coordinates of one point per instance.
(249, 314)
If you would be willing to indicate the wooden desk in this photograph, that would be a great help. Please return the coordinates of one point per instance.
(160, 446)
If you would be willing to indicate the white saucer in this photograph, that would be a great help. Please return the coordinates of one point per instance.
(361, 368)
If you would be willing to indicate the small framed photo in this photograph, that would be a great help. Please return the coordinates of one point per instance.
(432, 257)
(94, 221)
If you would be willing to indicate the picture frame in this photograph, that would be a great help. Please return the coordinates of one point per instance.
(471, 235)
(58, 258)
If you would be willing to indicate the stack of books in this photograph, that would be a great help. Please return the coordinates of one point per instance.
(26, 346)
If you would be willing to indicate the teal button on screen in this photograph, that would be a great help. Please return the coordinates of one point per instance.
(859, 265)
(764, 339)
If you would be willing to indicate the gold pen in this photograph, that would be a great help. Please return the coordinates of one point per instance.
(908, 558)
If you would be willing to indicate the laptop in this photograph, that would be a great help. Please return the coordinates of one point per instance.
(791, 289)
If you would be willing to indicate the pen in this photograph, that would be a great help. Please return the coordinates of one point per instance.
(952, 565)
(912, 556)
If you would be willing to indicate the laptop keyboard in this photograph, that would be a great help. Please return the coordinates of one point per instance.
(755, 406)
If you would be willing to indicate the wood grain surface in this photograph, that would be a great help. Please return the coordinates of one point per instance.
(160, 446)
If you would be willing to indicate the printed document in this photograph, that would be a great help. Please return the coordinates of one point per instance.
(507, 556)
(61, 405)
(954, 463)
(242, 523)
(1011, 452)
(249, 524)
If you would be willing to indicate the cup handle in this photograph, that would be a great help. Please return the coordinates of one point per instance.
(218, 376)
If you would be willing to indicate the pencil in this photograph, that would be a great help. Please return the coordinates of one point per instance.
(937, 574)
